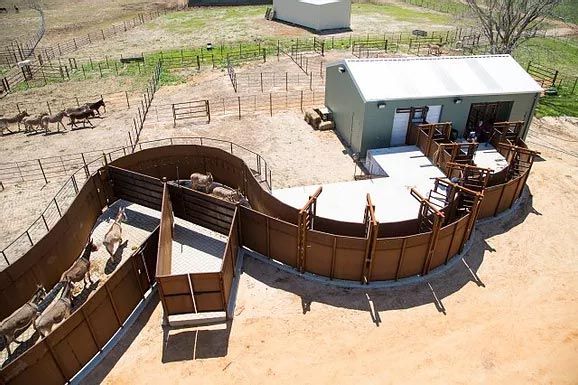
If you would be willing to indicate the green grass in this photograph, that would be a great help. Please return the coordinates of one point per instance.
(197, 18)
(567, 11)
(447, 6)
(169, 78)
(400, 13)
(561, 54)
(562, 105)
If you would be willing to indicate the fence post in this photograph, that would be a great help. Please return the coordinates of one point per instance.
(127, 102)
(44, 220)
(74, 184)
(48, 105)
(174, 115)
(208, 110)
(41, 169)
(57, 208)
(85, 166)
(239, 100)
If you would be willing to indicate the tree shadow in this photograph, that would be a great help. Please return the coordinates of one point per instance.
(201, 343)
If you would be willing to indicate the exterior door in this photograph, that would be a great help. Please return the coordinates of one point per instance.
(433, 114)
(401, 121)
(399, 130)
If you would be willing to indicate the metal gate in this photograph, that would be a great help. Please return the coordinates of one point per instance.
(193, 110)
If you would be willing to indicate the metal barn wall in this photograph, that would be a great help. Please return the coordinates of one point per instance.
(377, 124)
(347, 105)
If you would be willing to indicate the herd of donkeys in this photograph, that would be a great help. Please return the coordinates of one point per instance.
(43, 312)
(32, 123)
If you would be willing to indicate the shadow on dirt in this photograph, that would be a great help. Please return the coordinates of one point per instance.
(431, 289)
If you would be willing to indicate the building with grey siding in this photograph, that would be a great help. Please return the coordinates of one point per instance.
(370, 98)
(317, 15)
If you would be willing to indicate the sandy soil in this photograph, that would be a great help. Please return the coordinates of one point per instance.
(110, 131)
(22, 25)
(506, 313)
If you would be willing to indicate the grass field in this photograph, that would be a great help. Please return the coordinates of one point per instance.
(401, 13)
(567, 11)
(560, 54)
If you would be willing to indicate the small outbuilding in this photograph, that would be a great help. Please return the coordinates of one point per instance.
(372, 99)
(317, 15)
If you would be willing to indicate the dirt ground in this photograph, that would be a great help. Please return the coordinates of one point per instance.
(196, 26)
(506, 313)
(110, 131)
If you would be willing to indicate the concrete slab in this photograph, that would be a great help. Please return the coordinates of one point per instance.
(197, 319)
(403, 167)
(488, 157)
(196, 249)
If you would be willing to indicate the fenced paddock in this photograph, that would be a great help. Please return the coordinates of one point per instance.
(162, 115)
(277, 81)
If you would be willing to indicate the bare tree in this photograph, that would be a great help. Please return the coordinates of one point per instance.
(507, 23)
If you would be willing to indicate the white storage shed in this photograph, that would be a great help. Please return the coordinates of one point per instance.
(370, 98)
(318, 15)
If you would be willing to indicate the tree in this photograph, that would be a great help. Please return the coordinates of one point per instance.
(507, 23)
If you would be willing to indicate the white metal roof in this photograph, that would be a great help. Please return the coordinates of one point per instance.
(438, 77)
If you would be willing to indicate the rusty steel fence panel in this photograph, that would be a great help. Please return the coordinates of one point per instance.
(74, 342)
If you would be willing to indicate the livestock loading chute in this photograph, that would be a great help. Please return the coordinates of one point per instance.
(362, 253)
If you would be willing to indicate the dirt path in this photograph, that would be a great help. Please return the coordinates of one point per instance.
(513, 320)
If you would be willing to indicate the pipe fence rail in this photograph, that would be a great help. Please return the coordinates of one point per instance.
(144, 106)
(18, 51)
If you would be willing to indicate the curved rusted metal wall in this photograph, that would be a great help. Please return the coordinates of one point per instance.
(335, 250)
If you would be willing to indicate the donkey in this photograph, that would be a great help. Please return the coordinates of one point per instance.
(72, 110)
(96, 105)
(55, 312)
(4, 121)
(80, 269)
(83, 116)
(21, 319)
(229, 195)
(56, 118)
(201, 182)
(114, 234)
(31, 122)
